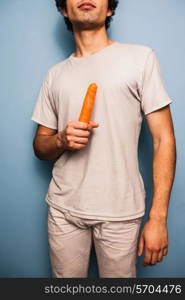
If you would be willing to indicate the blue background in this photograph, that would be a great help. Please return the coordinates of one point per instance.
(33, 38)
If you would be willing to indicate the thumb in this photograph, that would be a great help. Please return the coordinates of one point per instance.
(94, 124)
(141, 245)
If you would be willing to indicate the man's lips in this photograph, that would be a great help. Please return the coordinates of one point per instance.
(86, 5)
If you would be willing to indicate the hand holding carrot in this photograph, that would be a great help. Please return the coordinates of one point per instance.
(76, 135)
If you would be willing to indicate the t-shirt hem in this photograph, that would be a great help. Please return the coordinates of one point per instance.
(43, 123)
(156, 107)
(91, 216)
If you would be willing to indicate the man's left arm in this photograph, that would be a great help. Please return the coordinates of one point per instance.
(154, 235)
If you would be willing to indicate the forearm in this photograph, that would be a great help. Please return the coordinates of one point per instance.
(164, 163)
(45, 147)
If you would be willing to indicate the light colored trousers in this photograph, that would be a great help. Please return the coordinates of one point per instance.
(70, 239)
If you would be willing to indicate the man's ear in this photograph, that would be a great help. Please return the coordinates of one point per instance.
(109, 13)
(64, 12)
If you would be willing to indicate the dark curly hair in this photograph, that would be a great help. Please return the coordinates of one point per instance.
(112, 4)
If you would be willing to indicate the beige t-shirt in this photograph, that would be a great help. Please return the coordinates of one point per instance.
(102, 180)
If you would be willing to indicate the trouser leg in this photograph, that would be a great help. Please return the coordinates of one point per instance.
(69, 246)
(116, 246)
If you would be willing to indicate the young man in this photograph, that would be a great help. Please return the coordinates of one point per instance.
(97, 193)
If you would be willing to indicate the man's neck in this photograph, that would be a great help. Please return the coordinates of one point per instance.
(89, 42)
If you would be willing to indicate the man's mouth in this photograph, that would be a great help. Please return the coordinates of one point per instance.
(86, 5)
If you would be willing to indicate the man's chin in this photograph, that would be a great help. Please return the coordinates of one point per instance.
(86, 26)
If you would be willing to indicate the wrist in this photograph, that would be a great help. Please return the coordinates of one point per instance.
(60, 141)
(158, 217)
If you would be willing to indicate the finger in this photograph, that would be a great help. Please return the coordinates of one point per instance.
(81, 125)
(141, 246)
(78, 146)
(80, 133)
(154, 257)
(160, 256)
(148, 256)
(95, 125)
(165, 251)
(80, 140)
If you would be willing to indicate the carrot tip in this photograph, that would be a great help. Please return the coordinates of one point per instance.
(94, 85)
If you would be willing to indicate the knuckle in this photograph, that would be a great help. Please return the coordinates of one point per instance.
(83, 125)
(154, 248)
(71, 144)
(83, 140)
(70, 131)
(149, 248)
(81, 146)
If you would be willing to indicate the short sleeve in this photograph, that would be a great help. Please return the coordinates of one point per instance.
(153, 93)
(44, 112)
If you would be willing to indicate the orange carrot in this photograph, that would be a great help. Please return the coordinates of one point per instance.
(88, 103)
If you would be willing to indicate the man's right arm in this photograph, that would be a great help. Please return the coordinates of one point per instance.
(45, 143)
(48, 144)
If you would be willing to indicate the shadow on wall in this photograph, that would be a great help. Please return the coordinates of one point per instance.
(145, 150)
(64, 38)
